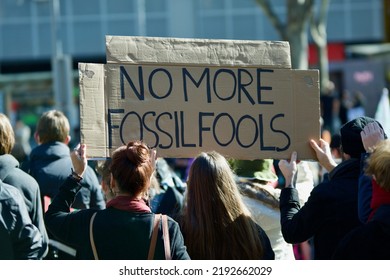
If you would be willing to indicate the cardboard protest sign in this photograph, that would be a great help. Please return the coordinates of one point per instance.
(183, 107)
(194, 52)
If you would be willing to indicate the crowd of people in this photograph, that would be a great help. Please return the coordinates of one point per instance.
(134, 205)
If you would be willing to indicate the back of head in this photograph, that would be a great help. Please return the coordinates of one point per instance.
(53, 126)
(351, 140)
(211, 188)
(131, 167)
(379, 164)
(103, 169)
(216, 224)
(335, 141)
(7, 136)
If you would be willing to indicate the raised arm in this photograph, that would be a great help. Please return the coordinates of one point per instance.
(371, 135)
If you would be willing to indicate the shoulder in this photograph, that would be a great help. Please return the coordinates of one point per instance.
(344, 183)
(90, 176)
(10, 196)
(172, 222)
(173, 226)
(21, 178)
(346, 169)
(322, 194)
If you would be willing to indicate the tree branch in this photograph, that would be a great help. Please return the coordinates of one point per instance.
(318, 26)
(275, 21)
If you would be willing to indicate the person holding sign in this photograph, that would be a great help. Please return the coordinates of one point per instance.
(216, 224)
(331, 210)
(124, 229)
(370, 241)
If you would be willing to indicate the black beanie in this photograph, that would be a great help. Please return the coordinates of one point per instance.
(351, 140)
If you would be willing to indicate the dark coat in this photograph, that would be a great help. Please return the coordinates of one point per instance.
(19, 238)
(269, 253)
(11, 174)
(330, 212)
(118, 234)
(170, 199)
(369, 241)
(50, 164)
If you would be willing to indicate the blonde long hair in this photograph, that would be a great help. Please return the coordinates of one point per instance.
(216, 224)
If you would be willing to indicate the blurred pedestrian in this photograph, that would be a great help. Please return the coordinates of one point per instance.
(167, 192)
(19, 238)
(357, 105)
(50, 164)
(22, 147)
(11, 174)
(328, 101)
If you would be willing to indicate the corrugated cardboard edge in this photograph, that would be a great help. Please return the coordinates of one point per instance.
(306, 84)
(196, 52)
(92, 109)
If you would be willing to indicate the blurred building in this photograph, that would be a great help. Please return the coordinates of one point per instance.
(38, 35)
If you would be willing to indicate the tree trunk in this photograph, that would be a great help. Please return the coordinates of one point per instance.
(323, 65)
(318, 32)
(295, 28)
(299, 49)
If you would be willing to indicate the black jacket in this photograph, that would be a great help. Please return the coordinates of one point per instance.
(50, 164)
(369, 241)
(170, 199)
(118, 234)
(19, 238)
(11, 174)
(330, 212)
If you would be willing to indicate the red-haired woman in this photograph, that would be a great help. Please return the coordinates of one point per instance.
(124, 229)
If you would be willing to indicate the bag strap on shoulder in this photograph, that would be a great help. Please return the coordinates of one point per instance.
(167, 246)
(153, 240)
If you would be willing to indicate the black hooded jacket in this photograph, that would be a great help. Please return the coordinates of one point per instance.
(369, 241)
(330, 212)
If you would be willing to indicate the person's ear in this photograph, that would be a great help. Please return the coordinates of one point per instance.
(112, 185)
(67, 139)
(346, 156)
(36, 138)
(104, 186)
